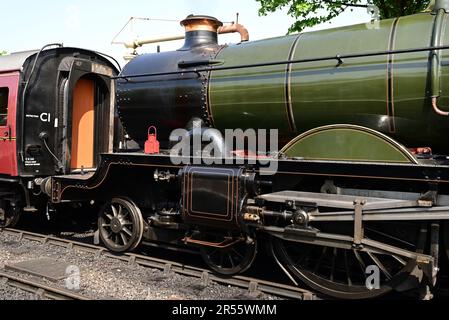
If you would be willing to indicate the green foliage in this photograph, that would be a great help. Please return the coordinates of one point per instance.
(3, 53)
(309, 13)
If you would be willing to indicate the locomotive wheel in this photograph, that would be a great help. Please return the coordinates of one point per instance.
(10, 216)
(121, 225)
(342, 273)
(231, 260)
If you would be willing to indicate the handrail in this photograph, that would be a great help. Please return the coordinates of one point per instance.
(339, 58)
(435, 63)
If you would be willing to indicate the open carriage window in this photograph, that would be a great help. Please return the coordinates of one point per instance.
(4, 93)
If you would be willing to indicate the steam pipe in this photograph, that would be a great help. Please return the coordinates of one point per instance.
(435, 63)
(138, 43)
(232, 28)
(437, 109)
(235, 28)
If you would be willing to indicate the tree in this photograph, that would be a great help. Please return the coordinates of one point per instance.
(309, 13)
(3, 53)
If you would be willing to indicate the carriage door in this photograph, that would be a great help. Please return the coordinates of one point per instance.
(8, 100)
(83, 125)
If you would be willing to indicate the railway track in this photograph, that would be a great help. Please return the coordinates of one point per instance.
(253, 285)
(39, 289)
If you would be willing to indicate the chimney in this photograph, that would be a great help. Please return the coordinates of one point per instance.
(200, 31)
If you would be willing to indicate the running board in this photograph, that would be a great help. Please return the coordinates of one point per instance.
(371, 209)
(410, 214)
(338, 201)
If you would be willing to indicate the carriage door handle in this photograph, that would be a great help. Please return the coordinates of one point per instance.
(7, 134)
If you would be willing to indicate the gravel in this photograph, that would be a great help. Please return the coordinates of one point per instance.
(107, 278)
(10, 293)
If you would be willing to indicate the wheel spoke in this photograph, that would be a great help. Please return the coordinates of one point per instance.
(125, 214)
(122, 235)
(348, 277)
(231, 260)
(116, 239)
(114, 211)
(238, 253)
(107, 215)
(303, 256)
(318, 264)
(127, 223)
(360, 260)
(334, 257)
(106, 225)
(221, 259)
(119, 213)
(212, 253)
(379, 264)
(127, 231)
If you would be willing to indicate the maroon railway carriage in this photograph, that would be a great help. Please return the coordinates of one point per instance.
(56, 117)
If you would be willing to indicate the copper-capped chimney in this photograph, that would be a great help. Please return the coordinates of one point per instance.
(200, 31)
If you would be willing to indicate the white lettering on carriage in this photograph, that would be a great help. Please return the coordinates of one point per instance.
(45, 117)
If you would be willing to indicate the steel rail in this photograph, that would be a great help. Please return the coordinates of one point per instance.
(253, 285)
(40, 289)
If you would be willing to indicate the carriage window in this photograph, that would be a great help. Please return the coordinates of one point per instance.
(4, 93)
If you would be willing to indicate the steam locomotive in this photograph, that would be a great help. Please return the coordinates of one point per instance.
(360, 177)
